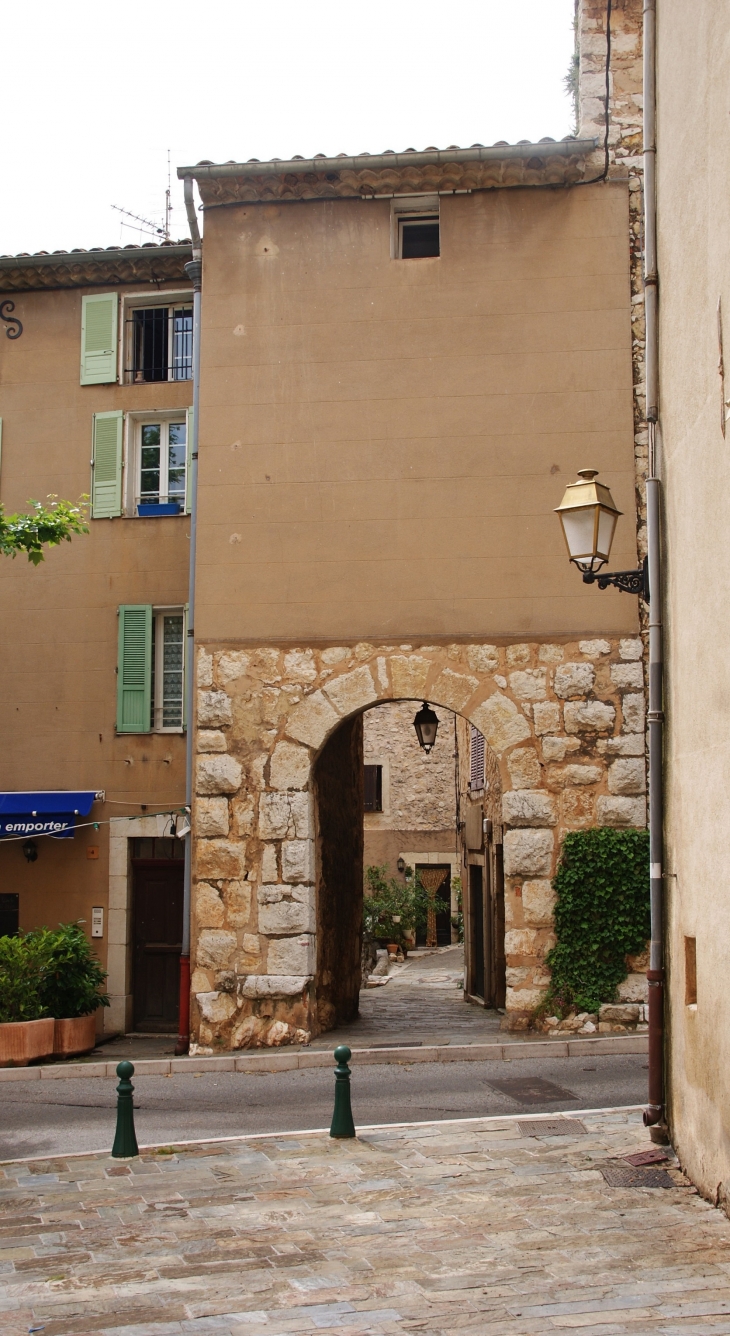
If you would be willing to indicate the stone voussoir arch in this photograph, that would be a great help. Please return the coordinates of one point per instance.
(264, 716)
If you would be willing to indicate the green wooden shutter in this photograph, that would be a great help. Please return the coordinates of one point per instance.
(189, 462)
(99, 338)
(134, 669)
(106, 465)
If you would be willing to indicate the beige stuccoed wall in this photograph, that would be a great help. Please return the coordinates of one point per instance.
(58, 656)
(383, 442)
(565, 722)
(694, 267)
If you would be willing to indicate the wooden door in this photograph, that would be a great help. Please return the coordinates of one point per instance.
(156, 943)
(476, 981)
(494, 920)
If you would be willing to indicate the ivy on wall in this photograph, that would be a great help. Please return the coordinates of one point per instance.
(601, 915)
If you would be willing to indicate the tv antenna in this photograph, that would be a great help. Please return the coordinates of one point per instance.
(146, 224)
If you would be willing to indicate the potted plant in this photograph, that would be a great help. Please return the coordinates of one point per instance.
(26, 1029)
(70, 989)
(394, 910)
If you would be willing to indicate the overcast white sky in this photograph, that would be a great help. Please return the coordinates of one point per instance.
(93, 95)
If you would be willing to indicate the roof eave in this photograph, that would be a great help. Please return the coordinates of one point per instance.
(384, 161)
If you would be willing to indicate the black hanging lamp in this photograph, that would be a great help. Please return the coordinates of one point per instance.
(426, 725)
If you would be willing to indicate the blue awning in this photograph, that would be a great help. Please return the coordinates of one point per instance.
(45, 812)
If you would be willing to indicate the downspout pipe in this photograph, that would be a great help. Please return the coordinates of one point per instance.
(654, 1113)
(194, 271)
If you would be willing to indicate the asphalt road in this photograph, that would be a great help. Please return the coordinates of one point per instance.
(56, 1117)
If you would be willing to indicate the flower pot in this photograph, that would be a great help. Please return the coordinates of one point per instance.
(75, 1035)
(159, 508)
(22, 1042)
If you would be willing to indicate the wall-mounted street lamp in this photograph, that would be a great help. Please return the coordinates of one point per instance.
(426, 725)
(30, 849)
(588, 515)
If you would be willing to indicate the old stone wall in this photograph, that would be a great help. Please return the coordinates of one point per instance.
(565, 722)
(625, 146)
(419, 790)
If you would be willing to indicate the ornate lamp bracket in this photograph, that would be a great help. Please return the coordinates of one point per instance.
(629, 582)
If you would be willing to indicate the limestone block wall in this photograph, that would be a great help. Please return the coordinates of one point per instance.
(565, 723)
(421, 789)
(625, 146)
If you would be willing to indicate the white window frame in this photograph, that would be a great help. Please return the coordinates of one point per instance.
(133, 424)
(130, 301)
(158, 678)
(411, 209)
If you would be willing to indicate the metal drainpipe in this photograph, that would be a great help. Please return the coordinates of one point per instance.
(194, 271)
(654, 1112)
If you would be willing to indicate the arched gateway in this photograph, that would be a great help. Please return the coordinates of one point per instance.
(565, 722)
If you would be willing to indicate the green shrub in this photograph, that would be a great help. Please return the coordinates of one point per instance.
(601, 915)
(21, 981)
(72, 974)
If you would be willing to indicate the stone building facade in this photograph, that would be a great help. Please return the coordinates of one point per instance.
(382, 442)
(368, 405)
(417, 823)
(565, 722)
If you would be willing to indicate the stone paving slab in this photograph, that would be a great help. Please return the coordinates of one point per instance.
(266, 1060)
(440, 1228)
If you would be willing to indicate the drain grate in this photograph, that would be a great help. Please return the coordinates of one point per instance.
(618, 1174)
(532, 1090)
(551, 1127)
(653, 1156)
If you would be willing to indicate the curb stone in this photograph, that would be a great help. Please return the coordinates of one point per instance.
(268, 1061)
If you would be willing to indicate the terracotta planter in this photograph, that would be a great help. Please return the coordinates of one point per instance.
(74, 1036)
(22, 1042)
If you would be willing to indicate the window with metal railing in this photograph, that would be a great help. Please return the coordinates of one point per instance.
(159, 341)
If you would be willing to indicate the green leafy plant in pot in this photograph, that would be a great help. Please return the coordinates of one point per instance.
(71, 988)
(26, 1031)
(21, 981)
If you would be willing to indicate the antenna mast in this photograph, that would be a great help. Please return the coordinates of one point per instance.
(168, 205)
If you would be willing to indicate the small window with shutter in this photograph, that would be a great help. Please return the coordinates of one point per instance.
(99, 314)
(373, 788)
(476, 760)
(150, 669)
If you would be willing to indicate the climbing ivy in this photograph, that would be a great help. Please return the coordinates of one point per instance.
(601, 915)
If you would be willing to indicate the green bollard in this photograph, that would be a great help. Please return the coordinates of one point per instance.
(342, 1124)
(125, 1141)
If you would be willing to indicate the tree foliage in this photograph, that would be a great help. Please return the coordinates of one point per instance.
(45, 526)
(601, 915)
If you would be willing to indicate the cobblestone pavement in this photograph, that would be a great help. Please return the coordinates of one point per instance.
(421, 1003)
(468, 1227)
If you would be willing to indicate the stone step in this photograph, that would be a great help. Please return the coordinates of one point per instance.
(281, 1060)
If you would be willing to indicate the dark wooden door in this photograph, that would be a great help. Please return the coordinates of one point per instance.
(476, 982)
(157, 942)
(499, 964)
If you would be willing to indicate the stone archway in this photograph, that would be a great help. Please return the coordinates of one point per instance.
(564, 720)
